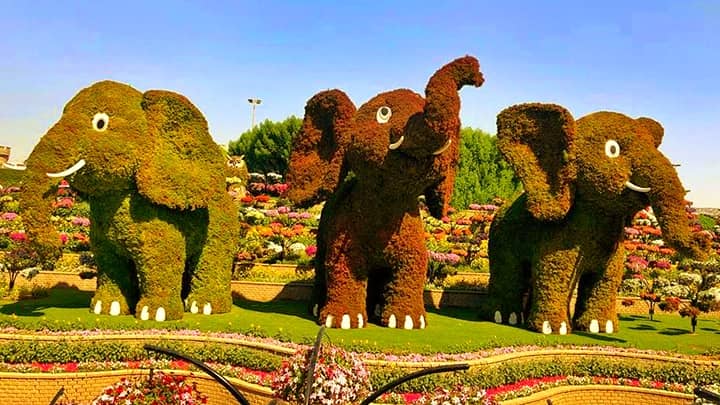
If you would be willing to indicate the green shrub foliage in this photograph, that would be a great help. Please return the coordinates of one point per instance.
(267, 147)
(483, 173)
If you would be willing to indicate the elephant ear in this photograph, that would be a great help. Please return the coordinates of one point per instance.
(318, 154)
(537, 140)
(653, 128)
(183, 168)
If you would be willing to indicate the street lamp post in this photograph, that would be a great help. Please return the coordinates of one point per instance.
(254, 102)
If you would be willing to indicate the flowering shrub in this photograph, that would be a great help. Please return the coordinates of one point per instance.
(457, 395)
(339, 377)
(161, 389)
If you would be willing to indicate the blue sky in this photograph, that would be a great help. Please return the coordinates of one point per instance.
(644, 58)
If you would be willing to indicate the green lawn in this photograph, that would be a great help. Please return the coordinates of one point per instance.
(449, 330)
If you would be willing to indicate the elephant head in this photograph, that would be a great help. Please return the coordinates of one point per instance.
(396, 134)
(112, 138)
(605, 161)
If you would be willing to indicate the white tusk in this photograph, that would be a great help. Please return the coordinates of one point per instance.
(14, 166)
(77, 166)
(637, 188)
(397, 144)
(444, 147)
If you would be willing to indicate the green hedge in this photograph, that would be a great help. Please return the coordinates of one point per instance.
(68, 351)
(495, 376)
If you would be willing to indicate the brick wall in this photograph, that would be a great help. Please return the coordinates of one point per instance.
(39, 389)
(602, 395)
(301, 291)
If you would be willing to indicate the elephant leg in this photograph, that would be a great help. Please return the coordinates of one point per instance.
(597, 293)
(508, 288)
(116, 291)
(210, 290)
(346, 285)
(160, 263)
(403, 295)
(550, 300)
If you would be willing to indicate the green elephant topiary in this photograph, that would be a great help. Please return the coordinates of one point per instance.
(584, 180)
(163, 229)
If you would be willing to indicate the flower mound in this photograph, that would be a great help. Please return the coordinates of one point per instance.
(339, 377)
(161, 389)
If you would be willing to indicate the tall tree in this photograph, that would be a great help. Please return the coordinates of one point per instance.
(482, 173)
(267, 146)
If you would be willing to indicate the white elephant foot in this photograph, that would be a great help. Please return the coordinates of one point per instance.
(207, 309)
(408, 322)
(422, 321)
(594, 326)
(194, 308)
(546, 328)
(329, 321)
(361, 321)
(160, 314)
(144, 314)
(392, 321)
(563, 328)
(609, 327)
(512, 319)
(498, 317)
(98, 307)
(345, 322)
(115, 308)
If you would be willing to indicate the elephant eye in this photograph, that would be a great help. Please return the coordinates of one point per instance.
(100, 122)
(383, 114)
(612, 149)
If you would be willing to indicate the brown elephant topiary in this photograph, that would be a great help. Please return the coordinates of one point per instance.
(163, 229)
(373, 163)
(584, 180)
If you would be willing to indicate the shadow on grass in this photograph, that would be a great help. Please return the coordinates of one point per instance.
(642, 327)
(58, 298)
(600, 337)
(674, 332)
(286, 307)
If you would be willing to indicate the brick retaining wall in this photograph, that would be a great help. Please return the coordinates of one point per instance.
(602, 395)
(301, 291)
(40, 388)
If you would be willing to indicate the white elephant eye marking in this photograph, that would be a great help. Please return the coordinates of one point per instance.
(100, 122)
(383, 114)
(612, 149)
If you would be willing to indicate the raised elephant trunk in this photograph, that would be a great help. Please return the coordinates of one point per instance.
(434, 131)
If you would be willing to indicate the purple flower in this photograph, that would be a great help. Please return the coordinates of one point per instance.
(283, 210)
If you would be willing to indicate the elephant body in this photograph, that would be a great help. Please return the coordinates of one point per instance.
(163, 229)
(581, 250)
(584, 181)
(372, 164)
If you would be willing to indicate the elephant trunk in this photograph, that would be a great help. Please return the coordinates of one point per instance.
(38, 195)
(442, 106)
(439, 126)
(667, 198)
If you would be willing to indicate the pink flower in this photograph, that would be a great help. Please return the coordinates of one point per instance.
(9, 216)
(311, 250)
(18, 236)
